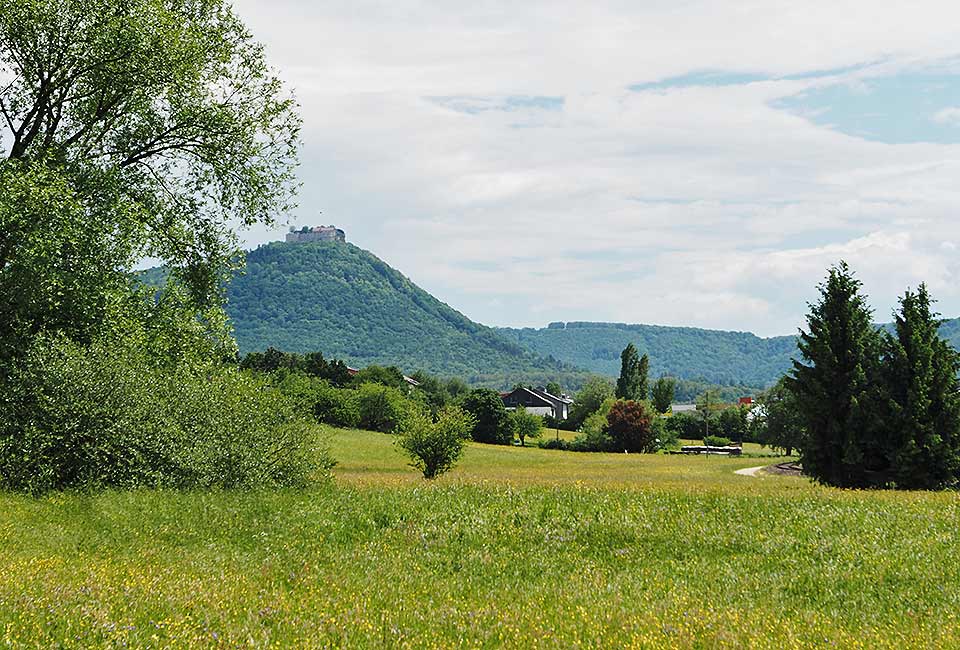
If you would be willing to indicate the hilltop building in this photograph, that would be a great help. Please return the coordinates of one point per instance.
(317, 233)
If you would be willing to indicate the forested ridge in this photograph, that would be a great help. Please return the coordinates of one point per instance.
(716, 356)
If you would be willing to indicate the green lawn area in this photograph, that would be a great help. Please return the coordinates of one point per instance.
(524, 548)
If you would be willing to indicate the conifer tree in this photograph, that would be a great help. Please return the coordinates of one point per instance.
(837, 387)
(628, 385)
(922, 417)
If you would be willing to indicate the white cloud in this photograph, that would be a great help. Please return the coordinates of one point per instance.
(699, 205)
(949, 115)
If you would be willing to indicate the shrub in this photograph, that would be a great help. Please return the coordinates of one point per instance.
(733, 423)
(716, 441)
(106, 415)
(381, 408)
(335, 406)
(435, 446)
(630, 426)
(491, 420)
(685, 425)
(554, 443)
(594, 436)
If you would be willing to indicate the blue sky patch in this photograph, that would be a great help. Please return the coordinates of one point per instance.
(473, 105)
(899, 109)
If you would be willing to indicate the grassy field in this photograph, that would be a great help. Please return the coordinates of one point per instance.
(523, 548)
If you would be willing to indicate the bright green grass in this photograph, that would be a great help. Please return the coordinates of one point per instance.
(524, 548)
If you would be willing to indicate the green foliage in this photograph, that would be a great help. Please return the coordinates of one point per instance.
(384, 375)
(435, 446)
(106, 415)
(554, 388)
(316, 398)
(335, 297)
(707, 356)
(922, 399)
(525, 425)
(643, 382)
(491, 419)
(733, 423)
(837, 386)
(554, 443)
(381, 408)
(312, 364)
(685, 425)
(777, 422)
(434, 392)
(630, 426)
(161, 119)
(56, 272)
(716, 441)
(631, 379)
(662, 394)
(589, 399)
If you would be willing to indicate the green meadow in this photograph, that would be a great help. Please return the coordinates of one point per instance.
(524, 548)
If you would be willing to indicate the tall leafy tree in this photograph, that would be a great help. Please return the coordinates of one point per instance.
(589, 399)
(643, 384)
(491, 419)
(662, 393)
(923, 416)
(629, 383)
(131, 128)
(836, 386)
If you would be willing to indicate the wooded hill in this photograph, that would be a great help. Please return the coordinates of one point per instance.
(349, 304)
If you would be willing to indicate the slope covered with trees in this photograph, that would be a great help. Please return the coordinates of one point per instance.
(715, 356)
(347, 303)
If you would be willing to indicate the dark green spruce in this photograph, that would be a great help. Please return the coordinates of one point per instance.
(923, 406)
(836, 385)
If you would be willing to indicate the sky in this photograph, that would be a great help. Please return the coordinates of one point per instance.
(672, 162)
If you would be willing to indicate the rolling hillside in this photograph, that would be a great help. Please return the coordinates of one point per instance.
(347, 303)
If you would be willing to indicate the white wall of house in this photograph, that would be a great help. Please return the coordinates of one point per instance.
(536, 410)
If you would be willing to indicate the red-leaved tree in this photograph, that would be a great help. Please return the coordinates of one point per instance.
(630, 425)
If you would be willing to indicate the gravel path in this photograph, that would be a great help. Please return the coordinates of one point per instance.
(749, 471)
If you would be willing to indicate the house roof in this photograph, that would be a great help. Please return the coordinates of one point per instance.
(530, 395)
(552, 398)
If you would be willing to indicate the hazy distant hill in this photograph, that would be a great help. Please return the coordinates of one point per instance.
(717, 356)
(347, 303)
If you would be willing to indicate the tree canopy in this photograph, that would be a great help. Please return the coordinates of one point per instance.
(133, 128)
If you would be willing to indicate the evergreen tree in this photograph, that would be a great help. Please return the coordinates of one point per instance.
(923, 407)
(628, 385)
(643, 385)
(837, 387)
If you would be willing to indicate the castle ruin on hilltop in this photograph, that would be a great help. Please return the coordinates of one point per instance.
(317, 233)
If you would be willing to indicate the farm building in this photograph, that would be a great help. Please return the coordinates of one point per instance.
(538, 401)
